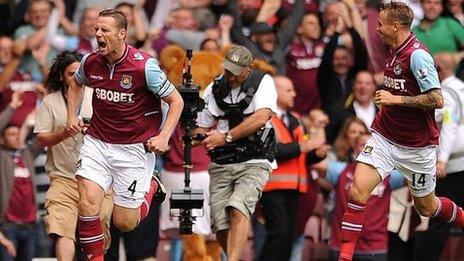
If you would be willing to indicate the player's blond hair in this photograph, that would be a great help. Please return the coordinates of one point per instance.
(399, 12)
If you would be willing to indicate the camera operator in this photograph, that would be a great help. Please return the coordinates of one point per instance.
(239, 103)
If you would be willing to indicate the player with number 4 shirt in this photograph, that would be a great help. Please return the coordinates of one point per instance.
(123, 133)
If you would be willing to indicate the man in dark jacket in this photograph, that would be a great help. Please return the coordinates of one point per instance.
(18, 205)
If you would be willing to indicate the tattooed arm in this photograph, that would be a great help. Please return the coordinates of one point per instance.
(432, 99)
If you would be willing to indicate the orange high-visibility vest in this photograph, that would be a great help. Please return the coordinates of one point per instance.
(292, 173)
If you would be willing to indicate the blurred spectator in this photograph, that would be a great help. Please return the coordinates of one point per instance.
(416, 6)
(373, 241)
(360, 103)
(331, 15)
(439, 34)
(302, 63)
(225, 24)
(82, 5)
(345, 142)
(264, 42)
(79, 37)
(337, 71)
(350, 13)
(182, 28)
(163, 7)
(36, 62)
(268, 12)
(6, 113)
(86, 34)
(450, 156)
(311, 6)
(18, 205)
(455, 9)
(376, 49)
(66, 24)
(279, 200)
(339, 16)
(314, 123)
(219, 39)
(57, 40)
(209, 45)
(6, 50)
(12, 80)
(137, 26)
(363, 105)
(202, 13)
(162, 10)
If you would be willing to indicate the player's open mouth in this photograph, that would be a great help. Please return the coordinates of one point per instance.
(101, 44)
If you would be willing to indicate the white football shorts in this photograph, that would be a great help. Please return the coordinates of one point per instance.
(418, 165)
(128, 167)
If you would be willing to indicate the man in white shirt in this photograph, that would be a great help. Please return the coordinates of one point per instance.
(363, 91)
(239, 104)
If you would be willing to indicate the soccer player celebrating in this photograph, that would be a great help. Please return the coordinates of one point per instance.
(123, 132)
(405, 135)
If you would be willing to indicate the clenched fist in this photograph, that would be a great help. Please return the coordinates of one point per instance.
(385, 98)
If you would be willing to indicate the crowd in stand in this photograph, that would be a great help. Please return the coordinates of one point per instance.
(325, 54)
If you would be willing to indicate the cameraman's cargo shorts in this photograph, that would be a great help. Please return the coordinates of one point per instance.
(236, 185)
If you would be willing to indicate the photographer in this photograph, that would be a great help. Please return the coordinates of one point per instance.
(239, 103)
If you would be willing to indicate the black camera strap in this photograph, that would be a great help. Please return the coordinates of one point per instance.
(233, 112)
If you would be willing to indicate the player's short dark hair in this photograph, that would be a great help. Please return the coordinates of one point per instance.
(121, 20)
(398, 12)
(54, 81)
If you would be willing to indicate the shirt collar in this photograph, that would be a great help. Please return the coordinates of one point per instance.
(124, 55)
(403, 45)
(280, 112)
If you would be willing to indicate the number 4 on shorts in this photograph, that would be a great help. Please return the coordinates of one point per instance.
(132, 186)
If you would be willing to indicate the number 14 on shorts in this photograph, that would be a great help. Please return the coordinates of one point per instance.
(418, 180)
